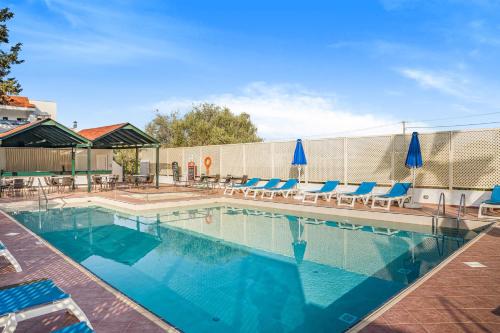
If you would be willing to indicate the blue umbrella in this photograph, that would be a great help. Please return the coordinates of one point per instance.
(414, 156)
(414, 161)
(299, 157)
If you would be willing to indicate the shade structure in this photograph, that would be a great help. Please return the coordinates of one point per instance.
(414, 161)
(299, 156)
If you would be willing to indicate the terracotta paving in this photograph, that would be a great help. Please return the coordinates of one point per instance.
(105, 310)
(457, 298)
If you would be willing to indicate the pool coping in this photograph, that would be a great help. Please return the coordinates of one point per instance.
(163, 324)
(374, 215)
(379, 311)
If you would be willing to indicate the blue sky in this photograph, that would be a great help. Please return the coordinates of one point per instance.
(319, 68)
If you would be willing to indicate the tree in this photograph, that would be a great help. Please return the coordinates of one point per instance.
(205, 124)
(8, 85)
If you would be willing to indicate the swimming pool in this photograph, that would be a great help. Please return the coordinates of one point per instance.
(229, 269)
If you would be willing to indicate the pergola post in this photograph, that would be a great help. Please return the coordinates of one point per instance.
(157, 167)
(73, 166)
(89, 166)
(136, 160)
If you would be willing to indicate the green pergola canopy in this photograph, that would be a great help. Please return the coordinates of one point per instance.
(45, 133)
(119, 136)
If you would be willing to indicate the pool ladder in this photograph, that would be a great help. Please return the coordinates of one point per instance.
(441, 206)
(41, 191)
(462, 209)
(461, 212)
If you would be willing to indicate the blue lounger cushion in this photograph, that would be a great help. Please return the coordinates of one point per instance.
(270, 184)
(288, 185)
(363, 189)
(80, 327)
(495, 196)
(397, 190)
(327, 187)
(250, 182)
(20, 297)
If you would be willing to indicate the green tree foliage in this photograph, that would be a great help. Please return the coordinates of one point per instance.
(205, 124)
(126, 158)
(8, 85)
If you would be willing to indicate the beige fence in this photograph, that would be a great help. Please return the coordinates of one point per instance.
(466, 159)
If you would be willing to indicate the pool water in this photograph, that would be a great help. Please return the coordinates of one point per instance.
(226, 269)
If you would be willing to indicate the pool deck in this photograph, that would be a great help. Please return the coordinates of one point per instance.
(454, 298)
(107, 310)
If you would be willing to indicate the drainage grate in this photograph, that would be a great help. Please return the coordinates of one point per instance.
(12, 234)
(474, 264)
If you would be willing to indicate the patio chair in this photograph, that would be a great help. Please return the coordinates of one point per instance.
(214, 182)
(30, 188)
(241, 187)
(492, 203)
(112, 181)
(55, 183)
(4, 252)
(97, 182)
(226, 181)
(17, 187)
(33, 299)
(289, 187)
(255, 190)
(66, 182)
(326, 191)
(363, 192)
(149, 181)
(398, 193)
(80, 327)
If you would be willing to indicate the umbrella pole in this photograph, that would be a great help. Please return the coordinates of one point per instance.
(412, 203)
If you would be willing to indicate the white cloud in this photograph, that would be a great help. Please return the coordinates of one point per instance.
(289, 111)
(443, 82)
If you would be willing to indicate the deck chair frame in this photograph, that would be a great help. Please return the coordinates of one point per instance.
(4, 252)
(9, 322)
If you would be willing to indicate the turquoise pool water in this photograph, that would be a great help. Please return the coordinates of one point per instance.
(223, 269)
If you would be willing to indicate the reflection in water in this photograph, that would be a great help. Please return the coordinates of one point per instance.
(224, 269)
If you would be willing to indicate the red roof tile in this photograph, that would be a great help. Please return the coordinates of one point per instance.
(19, 101)
(97, 132)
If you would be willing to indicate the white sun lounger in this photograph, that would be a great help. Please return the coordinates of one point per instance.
(34, 299)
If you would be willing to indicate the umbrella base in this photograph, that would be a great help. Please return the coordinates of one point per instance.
(413, 205)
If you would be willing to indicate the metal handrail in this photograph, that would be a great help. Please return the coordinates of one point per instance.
(435, 218)
(461, 207)
(42, 190)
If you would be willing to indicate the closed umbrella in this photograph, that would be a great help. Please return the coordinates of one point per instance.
(414, 161)
(299, 157)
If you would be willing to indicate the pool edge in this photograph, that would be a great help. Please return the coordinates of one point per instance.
(168, 327)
